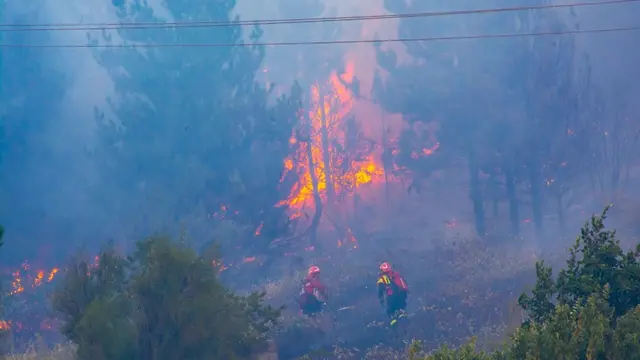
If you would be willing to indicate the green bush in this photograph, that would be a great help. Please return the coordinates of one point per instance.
(590, 312)
(163, 302)
(596, 259)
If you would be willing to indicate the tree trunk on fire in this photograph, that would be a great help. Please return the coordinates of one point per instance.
(315, 221)
(326, 155)
(313, 234)
(476, 195)
(514, 213)
(356, 200)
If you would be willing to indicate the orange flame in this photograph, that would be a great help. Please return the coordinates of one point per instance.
(259, 230)
(249, 259)
(23, 276)
(331, 104)
(16, 284)
(38, 280)
(52, 274)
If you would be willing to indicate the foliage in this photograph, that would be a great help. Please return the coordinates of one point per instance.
(580, 332)
(308, 66)
(596, 259)
(163, 302)
(591, 312)
(193, 124)
(531, 144)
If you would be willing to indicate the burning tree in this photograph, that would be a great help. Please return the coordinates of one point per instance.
(334, 157)
(334, 153)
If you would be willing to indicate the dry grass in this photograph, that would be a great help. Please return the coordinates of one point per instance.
(58, 352)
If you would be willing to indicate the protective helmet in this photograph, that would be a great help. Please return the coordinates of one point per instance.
(385, 267)
(314, 270)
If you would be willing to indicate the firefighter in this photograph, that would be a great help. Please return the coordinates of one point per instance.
(313, 295)
(392, 292)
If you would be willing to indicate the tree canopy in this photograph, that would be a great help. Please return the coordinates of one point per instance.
(196, 123)
(520, 115)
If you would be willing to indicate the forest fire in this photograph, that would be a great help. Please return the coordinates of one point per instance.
(333, 159)
(24, 277)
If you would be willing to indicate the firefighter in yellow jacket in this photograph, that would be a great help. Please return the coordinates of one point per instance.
(392, 292)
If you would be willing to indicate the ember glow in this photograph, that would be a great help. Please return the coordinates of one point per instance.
(26, 277)
(331, 164)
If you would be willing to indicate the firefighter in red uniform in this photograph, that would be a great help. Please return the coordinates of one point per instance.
(313, 295)
(392, 292)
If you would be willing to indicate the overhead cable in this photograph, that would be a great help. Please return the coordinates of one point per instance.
(328, 42)
(206, 24)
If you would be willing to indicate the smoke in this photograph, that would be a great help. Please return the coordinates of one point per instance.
(60, 182)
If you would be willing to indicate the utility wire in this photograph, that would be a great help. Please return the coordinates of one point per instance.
(330, 42)
(201, 24)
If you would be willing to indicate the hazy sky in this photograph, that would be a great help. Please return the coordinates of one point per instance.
(90, 84)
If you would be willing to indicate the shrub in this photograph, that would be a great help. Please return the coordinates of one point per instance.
(163, 302)
(596, 259)
(591, 311)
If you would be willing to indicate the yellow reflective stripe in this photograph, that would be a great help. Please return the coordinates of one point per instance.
(384, 279)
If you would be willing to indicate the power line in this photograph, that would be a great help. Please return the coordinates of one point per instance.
(201, 24)
(329, 42)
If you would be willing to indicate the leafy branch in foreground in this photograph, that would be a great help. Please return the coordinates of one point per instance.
(592, 311)
(595, 260)
(163, 302)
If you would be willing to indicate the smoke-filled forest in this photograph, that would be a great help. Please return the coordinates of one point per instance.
(174, 172)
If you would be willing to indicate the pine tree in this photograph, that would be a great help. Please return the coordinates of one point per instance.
(194, 132)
